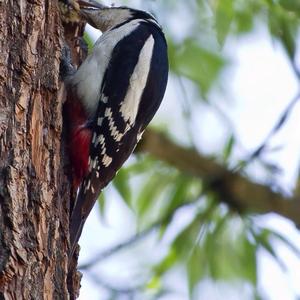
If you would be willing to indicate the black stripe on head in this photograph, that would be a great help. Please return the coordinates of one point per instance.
(138, 14)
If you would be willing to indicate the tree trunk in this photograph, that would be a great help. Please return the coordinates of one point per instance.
(34, 189)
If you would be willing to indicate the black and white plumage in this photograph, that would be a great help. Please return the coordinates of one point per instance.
(119, 88)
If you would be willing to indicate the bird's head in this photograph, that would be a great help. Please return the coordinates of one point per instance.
(104, 18)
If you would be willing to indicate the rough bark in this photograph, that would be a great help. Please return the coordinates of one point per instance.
(34, 191)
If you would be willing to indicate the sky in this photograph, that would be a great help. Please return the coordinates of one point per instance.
(260, 85)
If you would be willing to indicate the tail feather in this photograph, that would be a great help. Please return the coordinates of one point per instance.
(82, 208)
(89, 192)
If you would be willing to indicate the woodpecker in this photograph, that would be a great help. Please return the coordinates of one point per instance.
(112, 97)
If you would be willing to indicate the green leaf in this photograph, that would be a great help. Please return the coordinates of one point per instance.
(186, 240)
(121, 183)
(189, 237)
(167, 263)
(154, 283)
(290, 5)
(151, 191)
(183, 189)
(215, 248)
(229, 253)
(284, 27)
(288, 38)
(89, 41)
(228, 148)
(248, 260)
(195, 268)
(142, 164)
(263, 239)
(101, 201)
(162, 229)
(196, 63)
(244, 21)
(224, 17)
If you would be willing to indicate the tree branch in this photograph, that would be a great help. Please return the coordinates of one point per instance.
(232, 188)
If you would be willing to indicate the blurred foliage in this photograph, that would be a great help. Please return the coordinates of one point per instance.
(188, 59)
(216, 243)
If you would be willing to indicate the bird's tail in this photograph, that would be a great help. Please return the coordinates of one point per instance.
(83, 206)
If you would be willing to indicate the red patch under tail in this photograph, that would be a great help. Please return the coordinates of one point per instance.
(79, 139)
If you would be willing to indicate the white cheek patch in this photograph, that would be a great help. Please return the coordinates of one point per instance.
(129, 107)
